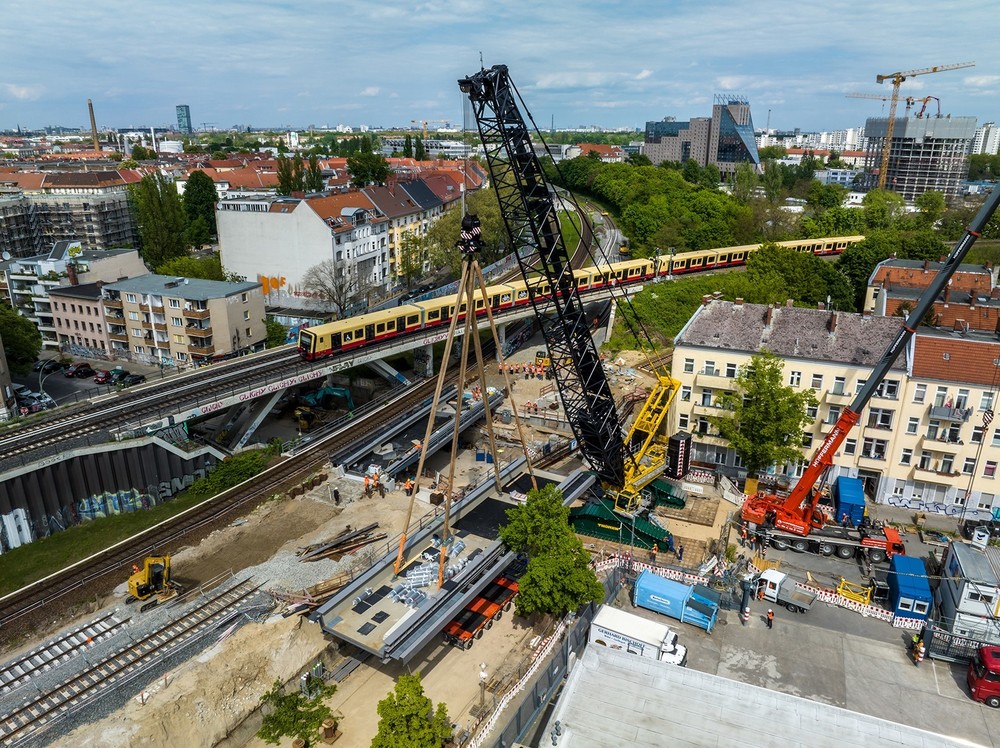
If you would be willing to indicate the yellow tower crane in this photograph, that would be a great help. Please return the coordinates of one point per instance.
(897, 79)
(426, 122)
(881, 97)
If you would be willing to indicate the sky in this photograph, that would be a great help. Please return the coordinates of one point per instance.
(384, 63)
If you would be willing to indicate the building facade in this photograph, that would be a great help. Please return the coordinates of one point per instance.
(184, 119)
(929, 153)
(19, 231)
(922, 441)
(726, 139)
(79, 319)
(175, 321)
(986, 140)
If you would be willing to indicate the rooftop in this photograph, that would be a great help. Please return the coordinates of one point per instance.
(956, 357)
(182, 288)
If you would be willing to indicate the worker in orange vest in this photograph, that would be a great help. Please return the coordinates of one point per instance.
(770, 618)
(408, 486)
(368, 485)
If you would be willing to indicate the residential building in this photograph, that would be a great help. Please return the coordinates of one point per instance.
(19, 233)
(175, 321)
(986, 140)
(25, 283)
(725, 139)
(184, 119)
(929, 153)
(278, 240)
(609, 154)
(844, 177)
(968, 593)
(78, 316)
(405, 220)
(917, 444)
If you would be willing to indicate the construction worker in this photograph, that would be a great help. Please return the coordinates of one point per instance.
(770, 618)
(743, 536)
(368, 485)
(652, 553)
(135, 568)
(408, 486)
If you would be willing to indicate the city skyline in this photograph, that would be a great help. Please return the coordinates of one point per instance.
(614, 64)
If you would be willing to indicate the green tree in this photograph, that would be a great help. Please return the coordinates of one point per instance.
(200, 199)
(931, 205)
(277, 333)
(443, 233)
(290, 175)
(314, 175)
(141, 153)
(558, 578)
(772, 152)
(406, 717)
(21, 340)
(419, 153)
(128, 163)
(161, 219)
(293, 714)
(368, 168)
(765, 418)
(197, 233)
(691, 171)
(412, 256)
(882, 209)
(821, 197)
(206, 268)
(743, 183)
(408, 147)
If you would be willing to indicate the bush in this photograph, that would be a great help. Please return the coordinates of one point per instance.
(228, 473)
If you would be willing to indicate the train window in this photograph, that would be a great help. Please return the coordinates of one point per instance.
(696, 261)
(380, 327)
(522, 294)
(359, 334)
(413, 319)
(723, 258)
(434, 314)
(348, 336)
(738, 256)
(680, 264)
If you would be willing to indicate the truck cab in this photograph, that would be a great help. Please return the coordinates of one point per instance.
(984, 676)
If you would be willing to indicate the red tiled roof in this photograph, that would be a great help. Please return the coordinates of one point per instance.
(608, 151)
(907, 277)
(331, 206)
(956, 359)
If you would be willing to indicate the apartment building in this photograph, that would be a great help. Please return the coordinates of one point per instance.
(921, 441)
(19, 234)
(78, 317)
(405, 218)
(25, 283)
(183, 320)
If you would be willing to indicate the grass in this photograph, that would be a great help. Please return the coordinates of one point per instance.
(569, 225)
(45, 556)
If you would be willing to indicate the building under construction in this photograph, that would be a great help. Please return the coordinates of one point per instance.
(927, 153)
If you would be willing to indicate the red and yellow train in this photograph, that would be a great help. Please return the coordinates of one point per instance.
(423, 316)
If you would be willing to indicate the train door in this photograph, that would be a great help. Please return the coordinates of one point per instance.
(369, 332)
(335, 341)
(400, 325)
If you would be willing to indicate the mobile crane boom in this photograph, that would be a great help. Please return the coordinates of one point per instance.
(796, 513)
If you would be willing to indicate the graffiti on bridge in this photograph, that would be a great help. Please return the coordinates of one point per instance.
(939, 507)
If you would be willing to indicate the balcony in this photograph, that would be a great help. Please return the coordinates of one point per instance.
(713, 439)
(114, 319)
(872, 459)
(713, 378)
(198, 332)
(922, 472)
(193, 313)
(699, 409)
(835, 397)
(113, 303)
(118, 337)
(947, 413)
(150, 308)
(160, 326)
(201, 350)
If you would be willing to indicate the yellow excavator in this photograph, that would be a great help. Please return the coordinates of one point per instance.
(151, 582)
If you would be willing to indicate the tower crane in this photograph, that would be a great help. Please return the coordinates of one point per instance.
(910, 101)
(897, 80)
(426, 122)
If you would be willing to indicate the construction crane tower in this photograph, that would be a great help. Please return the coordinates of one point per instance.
(426, 122)
(897, 80)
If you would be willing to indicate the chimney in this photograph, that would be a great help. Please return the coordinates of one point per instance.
(768, 315)
(927, 265)
(947, 293)
(93, 125)
(705, 299)
(821, 305)
(74, 279)
(738, 302)
(832, 324)
(959, 325)
(789, 303)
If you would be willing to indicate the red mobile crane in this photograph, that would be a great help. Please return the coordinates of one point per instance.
(797, 513)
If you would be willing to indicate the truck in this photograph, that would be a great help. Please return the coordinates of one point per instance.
(778, 587)
(983, 675)
(478, 616)
(619, 629)
(694, 604)
(877, 542)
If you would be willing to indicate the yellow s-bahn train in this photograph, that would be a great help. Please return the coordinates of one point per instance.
(423, 316)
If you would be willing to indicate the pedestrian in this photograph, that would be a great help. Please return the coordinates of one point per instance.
(770, 618)
(743, 536)
(844, 520)
(914, 640)
(652, 553)
(680, 554)
(336, 497)
(368, 485)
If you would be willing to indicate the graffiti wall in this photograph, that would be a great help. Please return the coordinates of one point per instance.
(92, 486)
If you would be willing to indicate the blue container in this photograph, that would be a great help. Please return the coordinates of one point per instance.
(687, 604)
(849, 499)
(909, 591)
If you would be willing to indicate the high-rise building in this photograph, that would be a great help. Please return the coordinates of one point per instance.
(184, 119)
(986, 140)
(725, 139)
(927, 153)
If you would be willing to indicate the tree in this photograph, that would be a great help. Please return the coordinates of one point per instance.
(200, 199)
(290, 176)
(443, 233)
(765, 418)
(293, 714)
(335, 283)
(882, 209)
(419, 153)
(932, 206)
(408, 147)
(743, 183)
(368, 168)
(197, 234)
(141, 153)
(558, 578)
(314, 175)
(277, 334)
(206, 268)
(412, 256)
(406, 717)
(161, 219)
(21, 340)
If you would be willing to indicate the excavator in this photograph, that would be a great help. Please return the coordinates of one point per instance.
(151, 582)
(627, 464)
(323, 397)
(797, 515)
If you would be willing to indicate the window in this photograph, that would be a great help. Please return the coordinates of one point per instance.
(72, 308)
(795, 378)
(706, 397)
(920, 607)
(807, 439)
(925, 461)
(986, 401)
(249, 332)
(977, 435)
(948, 464)
(685, 393)
(838, 385)
(136, 332)
(130, 298)
(905, 603)
(175, 303)
(817, 382)
(990, 470)
(710, 369)
(912, 425)
(812, 411)
(940, 396)
(919, 393)
(979, 596)
(702, 425)
(138, 349)
(932, 429)
(134, 316)
(906, 457)
(731, 370)
(996, 438)
(874, 448)
(889, 389)
(246, 316)
(689, 366)
(850, 446)
(682, 422)
(879, 418)
(244, 297)
(970, 466)
(962, 400)
(833, 415)
(177, 322)
(859, 385)
(986, 502)
(179, 339)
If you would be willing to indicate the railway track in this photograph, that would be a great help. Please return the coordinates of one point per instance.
(167, 536)
(95, 679)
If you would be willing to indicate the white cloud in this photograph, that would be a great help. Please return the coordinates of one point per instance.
(568, 79)
(22, 93)
(371, 91)
(981, 81)
(643, 75)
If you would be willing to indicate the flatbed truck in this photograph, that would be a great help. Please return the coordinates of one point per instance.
(777, 587)
(879, 544)
(479, 615)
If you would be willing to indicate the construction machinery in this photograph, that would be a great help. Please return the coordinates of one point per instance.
(797, 513)
(910, 101)
(627, 464)
(897, 80)
(305, 417)
(923, 107)
(323, 397)
(151, 583)
(426, 122)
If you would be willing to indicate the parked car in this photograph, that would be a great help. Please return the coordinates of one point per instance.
(118, 373)
(81, 370)
(102, 376)
(37, 366)
(129, 379)
(21, 391)
(51, 365)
